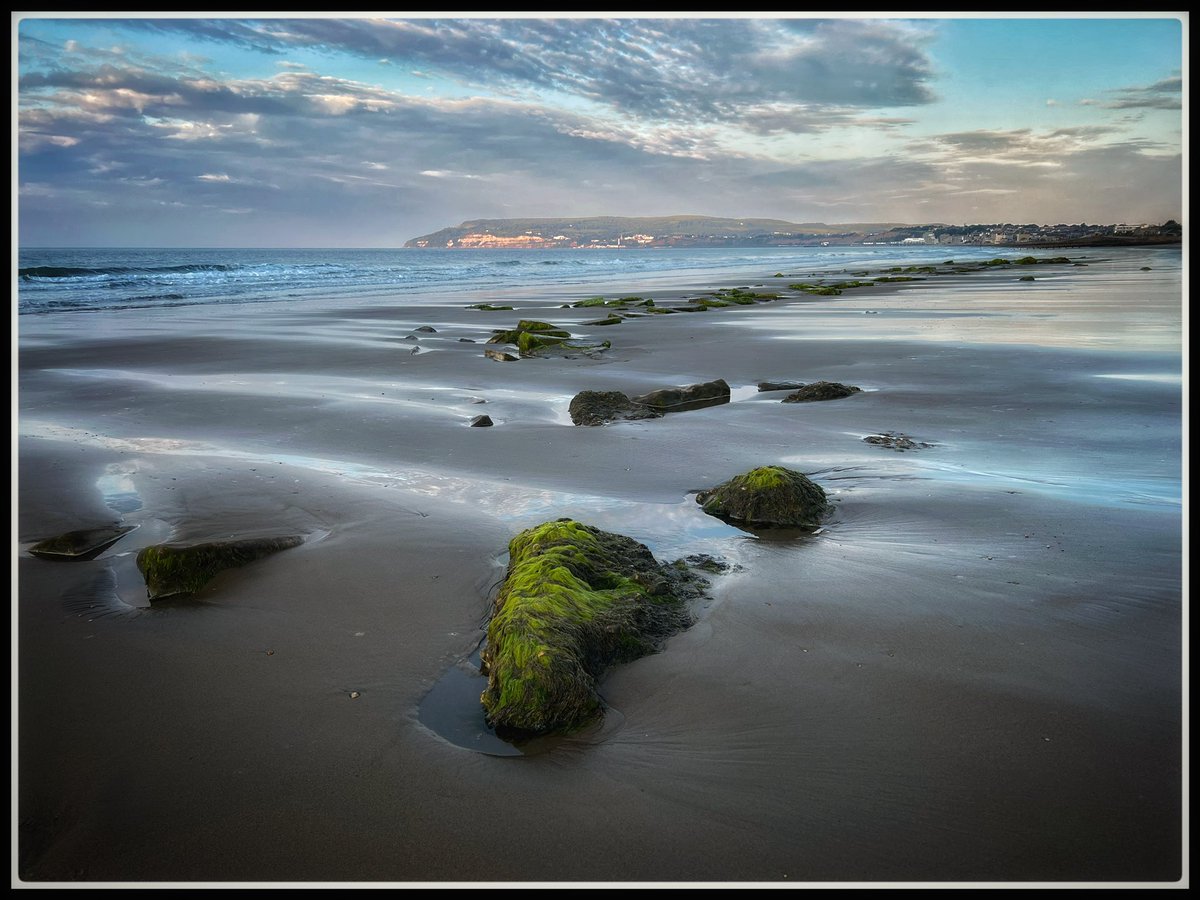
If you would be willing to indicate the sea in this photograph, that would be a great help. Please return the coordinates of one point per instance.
(81, 279)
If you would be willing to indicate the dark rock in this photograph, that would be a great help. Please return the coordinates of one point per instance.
(822, 390)
(177, 571)
(611, 320)
(574, 601)
(499, 355)
(602, 407)
(780, 385)
(693, 396)
(894, 440)
(466, 340)
(428, 329)
(85, 544)
(706, 563)
(481, 422)
(768, 495)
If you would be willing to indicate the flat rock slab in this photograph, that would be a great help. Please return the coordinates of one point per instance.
(780, 385)
(80, 545)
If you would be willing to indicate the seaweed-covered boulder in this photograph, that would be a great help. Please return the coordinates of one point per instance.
(574, 601)
(531, 336)
(693, 396)
(176, 571)
(822, 390)
(602, 407)
(84, 544)
(768, 495)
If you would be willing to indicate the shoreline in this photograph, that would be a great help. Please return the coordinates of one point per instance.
(973, 674)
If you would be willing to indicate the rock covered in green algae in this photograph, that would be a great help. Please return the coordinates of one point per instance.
(574, 601)
(175, 571)
(821, 390)
(531, 336)
(768, 495)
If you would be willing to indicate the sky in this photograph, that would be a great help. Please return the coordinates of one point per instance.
(365, 132)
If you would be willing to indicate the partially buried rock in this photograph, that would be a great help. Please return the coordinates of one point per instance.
(80, 545)
(894, 440)
(602, 407)
(481, 422)
(574, 601)
(499, 355)
(822, 390)
(427, 329)
(693, 396)
(179, 571)
(780, 385)
(768, 495)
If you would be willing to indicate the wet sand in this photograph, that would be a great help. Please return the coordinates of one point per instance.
(972, 673)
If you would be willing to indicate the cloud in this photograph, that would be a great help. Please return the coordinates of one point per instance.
(690, 70)
(642, 133)
(1165, 94)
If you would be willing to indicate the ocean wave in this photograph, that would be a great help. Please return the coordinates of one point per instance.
(82, 273)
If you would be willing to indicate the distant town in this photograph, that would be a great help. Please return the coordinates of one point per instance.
(611, 233)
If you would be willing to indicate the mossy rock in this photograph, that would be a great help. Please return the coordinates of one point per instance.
(488, 307)
(531, 336)
(179, 571)
(574, 601)
(822, 390)
(590, 301)
(768, 495)
(84, 544)
(611, 320)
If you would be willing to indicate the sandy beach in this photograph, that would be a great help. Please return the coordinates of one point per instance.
(973, 672)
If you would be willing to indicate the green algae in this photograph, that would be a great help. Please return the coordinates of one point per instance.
(179, 571)
(767, 496)
(488, 307)
(575, 600)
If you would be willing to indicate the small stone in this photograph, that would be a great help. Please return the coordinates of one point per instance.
(354, 695)
(481, 422)
(428, 329)
(499, 355)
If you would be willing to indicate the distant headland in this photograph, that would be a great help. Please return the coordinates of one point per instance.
(653, 232)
